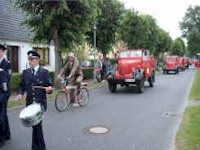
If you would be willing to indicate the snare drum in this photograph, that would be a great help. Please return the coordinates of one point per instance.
(31, 115)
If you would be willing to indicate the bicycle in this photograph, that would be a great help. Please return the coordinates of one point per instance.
(63, 99)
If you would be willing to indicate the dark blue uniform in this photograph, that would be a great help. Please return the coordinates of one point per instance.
(41, 78)
(4, 96)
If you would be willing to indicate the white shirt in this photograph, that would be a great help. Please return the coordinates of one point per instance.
(36, 68)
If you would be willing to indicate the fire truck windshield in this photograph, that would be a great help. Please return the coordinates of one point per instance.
(130, 54)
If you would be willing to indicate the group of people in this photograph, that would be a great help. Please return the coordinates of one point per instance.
(103, 67)
(35, 75)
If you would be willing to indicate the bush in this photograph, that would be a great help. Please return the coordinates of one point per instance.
(14, 81)
(114, 61)
(88, 73)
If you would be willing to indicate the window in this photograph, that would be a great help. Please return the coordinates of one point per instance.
(130, 54)
(44, 55)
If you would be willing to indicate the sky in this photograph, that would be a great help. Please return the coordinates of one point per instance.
(168, 13)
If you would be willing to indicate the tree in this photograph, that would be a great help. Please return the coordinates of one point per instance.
(176, 47)
(190, 27)
(193, 39)
(108, 23)
(191, 21)
(164, 42)
(63, 22)
(142, 31)
(131, 29)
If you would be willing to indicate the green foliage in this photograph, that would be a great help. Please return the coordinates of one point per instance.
(177, 47)
(88, 73)
(62, 22)
(190, 27)
(142, 31)
(114, 61)
(14, 81)
(108, 23)
(163, 43)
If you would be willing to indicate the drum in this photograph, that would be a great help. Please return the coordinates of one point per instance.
(31, 115)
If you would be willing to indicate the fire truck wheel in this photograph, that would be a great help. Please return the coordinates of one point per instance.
(112, 87)
(140, 86)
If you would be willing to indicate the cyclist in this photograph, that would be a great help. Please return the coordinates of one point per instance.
(72, 72)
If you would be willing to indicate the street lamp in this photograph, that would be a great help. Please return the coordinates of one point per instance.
(95, 45)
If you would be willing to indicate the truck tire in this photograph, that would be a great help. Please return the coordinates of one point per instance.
(140, 86)
(112, 87)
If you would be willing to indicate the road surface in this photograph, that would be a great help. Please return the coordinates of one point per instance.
(135, 121)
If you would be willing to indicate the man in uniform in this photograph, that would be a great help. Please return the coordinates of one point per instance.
(35, 76)
(72, 72)
(5, 74)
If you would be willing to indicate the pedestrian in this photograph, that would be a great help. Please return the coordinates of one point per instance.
(35, 76)
(109, 66)
(5, 74)
(196, 64)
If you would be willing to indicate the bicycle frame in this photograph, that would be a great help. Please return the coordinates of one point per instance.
(68, 88)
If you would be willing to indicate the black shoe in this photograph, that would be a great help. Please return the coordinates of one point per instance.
(2, 142)
(7, 138)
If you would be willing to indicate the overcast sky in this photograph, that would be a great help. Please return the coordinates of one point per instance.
(168, 13)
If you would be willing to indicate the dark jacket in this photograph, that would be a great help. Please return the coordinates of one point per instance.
(6, 66)
(4, 89)
(42, 78)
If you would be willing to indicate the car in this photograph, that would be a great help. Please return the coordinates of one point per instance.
(171, 64)
(134, 68)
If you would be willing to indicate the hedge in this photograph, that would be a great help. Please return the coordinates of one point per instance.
(16, 77)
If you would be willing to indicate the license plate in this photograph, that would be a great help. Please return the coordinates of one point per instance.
(129, 80)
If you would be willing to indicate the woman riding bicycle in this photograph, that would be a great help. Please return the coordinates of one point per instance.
(72, 72)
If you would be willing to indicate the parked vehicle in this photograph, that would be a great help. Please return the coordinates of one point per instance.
(171, 64)
(181, 63)
(134, 68)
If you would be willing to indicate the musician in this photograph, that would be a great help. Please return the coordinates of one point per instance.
(35, 76)
(5, 74)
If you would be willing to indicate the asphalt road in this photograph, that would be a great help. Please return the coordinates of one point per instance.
(136, 121)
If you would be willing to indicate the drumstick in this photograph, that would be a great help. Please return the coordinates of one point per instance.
(40, 87)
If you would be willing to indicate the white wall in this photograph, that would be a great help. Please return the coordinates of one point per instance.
(24, 47)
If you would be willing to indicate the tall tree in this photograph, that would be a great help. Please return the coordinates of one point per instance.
(190, 27)
(131, 29)
(176, 48)
(63, 22)
(108, 23)
(163, 42)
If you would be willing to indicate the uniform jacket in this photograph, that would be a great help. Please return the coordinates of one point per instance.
(42, 78)
(4, 89)
(4, 80)
(6, 66)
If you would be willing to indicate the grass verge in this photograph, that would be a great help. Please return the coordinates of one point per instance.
(91, 85)
(188, 136)
(195, 90)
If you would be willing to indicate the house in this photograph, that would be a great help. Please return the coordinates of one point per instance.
(17, 38)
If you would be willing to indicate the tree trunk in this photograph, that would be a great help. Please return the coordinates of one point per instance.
(58, 56)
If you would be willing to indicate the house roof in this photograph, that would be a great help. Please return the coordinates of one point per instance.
(10, 23)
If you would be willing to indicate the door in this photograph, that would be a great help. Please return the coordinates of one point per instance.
(12, 55)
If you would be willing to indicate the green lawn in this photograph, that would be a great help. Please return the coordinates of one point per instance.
(91, 85)
(188, 136)
(195, 90)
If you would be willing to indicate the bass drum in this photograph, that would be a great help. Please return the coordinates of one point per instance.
(31, 115)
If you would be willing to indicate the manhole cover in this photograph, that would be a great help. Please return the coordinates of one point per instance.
(172, 114)
(98, 130)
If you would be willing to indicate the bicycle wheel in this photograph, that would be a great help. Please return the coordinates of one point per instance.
(61, 101)
(83, 97)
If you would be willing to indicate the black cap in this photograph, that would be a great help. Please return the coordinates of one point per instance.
(2, 47)
(33, 54)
